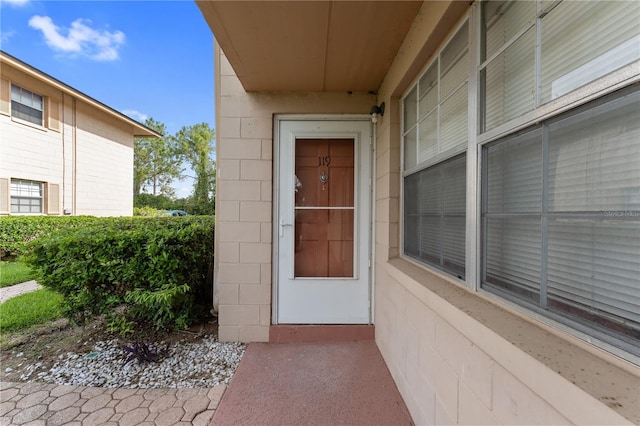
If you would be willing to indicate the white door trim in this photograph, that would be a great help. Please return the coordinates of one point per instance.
(278, 119)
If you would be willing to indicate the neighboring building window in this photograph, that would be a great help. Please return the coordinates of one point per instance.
(435, 137)
(26, 196)
(534, 52)
(561, 218)
(26, 105)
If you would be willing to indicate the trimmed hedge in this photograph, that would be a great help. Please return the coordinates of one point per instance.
(159, 268)
(17, 231)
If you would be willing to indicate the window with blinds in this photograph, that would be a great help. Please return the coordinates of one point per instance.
(561, 218)
(435, 136)
(26, 105)
(534, 52)
(434, 215)
(436, 108)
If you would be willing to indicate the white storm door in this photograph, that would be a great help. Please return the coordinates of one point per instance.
(323, 218)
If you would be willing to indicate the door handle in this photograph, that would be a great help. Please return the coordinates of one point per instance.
(282, 225)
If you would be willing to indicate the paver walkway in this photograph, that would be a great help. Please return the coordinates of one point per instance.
(51, 405)
(12, 291)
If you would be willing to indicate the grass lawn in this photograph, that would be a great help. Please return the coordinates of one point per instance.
(29, 309)
(14, 273)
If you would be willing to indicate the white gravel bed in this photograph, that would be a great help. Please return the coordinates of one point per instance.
(203, 364)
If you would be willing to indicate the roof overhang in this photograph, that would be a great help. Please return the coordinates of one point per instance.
(139, 129)
(310, 45)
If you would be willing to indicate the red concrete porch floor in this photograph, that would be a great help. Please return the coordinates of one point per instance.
(337, 383)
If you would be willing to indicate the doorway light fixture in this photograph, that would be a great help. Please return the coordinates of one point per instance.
(375, 110)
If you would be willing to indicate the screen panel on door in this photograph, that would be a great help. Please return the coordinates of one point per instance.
(324, 208)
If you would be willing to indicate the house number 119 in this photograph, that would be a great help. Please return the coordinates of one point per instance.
(324, 161)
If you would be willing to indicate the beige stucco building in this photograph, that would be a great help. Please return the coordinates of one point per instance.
(486, 226)
(61, 151)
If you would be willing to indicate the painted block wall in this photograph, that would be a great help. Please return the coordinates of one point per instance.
(30, 153)
(92, 151)
(26, 151)
(104, 165)
(453, 369)
(244, 194)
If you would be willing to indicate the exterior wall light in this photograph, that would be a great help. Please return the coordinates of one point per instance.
(375, 110)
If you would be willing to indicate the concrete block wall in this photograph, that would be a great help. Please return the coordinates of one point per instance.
(90, 155)
(29, 152)
(104, 164)
(451, 368)
(244, 152)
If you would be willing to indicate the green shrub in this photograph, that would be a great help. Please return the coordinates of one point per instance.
(17, 231)
(159, 268)
(148, 211)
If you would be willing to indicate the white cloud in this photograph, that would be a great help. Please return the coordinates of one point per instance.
(6, 35)
(17, 3)
(80, 39)
(136, 115)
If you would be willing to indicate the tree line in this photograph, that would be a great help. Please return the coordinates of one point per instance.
(158, 162)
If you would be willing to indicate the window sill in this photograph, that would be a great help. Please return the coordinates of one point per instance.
(604, 376)
(29, 124)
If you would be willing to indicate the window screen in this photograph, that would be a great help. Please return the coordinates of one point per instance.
(434, 215)
(435, 133)
(561, 217)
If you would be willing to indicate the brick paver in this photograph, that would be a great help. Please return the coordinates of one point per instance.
(38, 403)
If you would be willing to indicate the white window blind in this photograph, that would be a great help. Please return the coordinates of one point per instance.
(436, 109)
(513, 207)
(561, 216)
(594, 168)
(435, 132)
(534, 52)
(582, 41)
(509, 46)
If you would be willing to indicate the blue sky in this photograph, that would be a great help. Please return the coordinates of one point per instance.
(142, 58)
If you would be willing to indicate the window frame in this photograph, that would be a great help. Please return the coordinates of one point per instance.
(43, 111)
(41, 197)
(594, 90)
(579, 322)
(444, 156)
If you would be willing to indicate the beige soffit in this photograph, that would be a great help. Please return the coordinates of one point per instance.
(139, 129)
(310, 45)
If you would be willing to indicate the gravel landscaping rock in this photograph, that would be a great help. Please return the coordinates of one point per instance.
(205, 363)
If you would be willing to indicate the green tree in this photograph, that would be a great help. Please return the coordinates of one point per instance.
(197, 145)
(156, 162)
